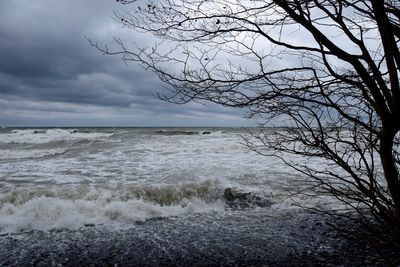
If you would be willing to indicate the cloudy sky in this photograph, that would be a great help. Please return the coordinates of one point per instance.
(50, 76)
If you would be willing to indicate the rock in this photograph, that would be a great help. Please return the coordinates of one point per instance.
(244, 200)
(230, 195)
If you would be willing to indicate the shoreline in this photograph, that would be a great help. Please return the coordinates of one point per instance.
(290, 239)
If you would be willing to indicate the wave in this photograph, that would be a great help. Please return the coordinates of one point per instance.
(47, 213)
(43, 136)
(11, 154)
(118, 206)
(182, 132)
(161, 194)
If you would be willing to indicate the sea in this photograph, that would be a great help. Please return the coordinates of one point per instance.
(162, 183)
(54, 178)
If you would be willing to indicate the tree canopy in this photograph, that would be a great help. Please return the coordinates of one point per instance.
(328, 68)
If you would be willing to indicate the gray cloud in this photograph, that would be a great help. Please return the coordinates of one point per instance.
(49, 74)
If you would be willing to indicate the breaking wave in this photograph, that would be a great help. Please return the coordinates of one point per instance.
(119, 206)
(42, 136)
(7, 154)
(183, 132)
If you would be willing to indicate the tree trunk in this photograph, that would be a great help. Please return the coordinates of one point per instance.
(389, 166)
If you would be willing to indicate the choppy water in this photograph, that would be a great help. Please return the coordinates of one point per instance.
(115, 177)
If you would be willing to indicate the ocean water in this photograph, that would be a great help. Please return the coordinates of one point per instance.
(70, 178)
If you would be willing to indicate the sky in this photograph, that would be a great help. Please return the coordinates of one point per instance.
(51, 76)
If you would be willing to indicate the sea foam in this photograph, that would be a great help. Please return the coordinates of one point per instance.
(29, 153)
(68, 207)
(40, 136)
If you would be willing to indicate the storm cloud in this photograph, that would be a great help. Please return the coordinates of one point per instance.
(51, 76)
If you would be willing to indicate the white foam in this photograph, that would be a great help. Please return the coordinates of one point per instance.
(40, 136)
(72, 207)
(46, 213)
(29, 153)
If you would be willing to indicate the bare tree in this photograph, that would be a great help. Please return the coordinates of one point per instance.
(328, 68)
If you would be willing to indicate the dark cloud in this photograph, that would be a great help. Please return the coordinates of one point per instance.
(49, 74)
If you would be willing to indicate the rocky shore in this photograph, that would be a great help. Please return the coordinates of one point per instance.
(289, 239)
